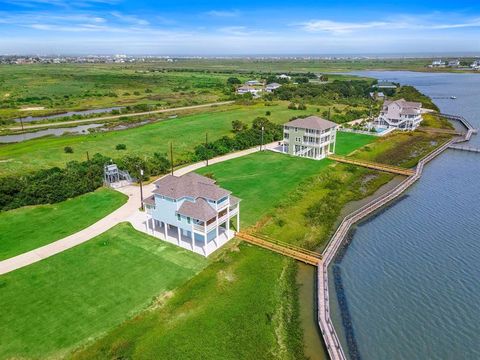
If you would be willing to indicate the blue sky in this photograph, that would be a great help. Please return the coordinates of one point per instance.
(238, 27)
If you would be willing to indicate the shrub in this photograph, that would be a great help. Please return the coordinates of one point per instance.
(52, 185)
(121, 147)
(268, 113)
(68, 150)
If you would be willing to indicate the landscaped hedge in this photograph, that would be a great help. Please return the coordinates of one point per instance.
(52, 185)
(55, 184)
(244, 138)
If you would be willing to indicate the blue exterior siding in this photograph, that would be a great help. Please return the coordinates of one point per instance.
(211, 235)
(199, 237)
(166, 209)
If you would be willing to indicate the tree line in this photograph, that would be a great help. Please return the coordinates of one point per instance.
(57, 184)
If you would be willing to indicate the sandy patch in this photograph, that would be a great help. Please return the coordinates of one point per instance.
(33, 108)
(8, 160)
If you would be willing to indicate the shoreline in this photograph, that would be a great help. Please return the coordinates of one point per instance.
(307, 280)
(329, 333)
(331, 339)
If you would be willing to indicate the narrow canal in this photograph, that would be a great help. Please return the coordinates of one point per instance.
(411, 275)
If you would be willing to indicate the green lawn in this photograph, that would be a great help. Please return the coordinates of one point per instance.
(242, 306)
(262, 179)
(185, 132)
(30, 227)
(56, 304)
(348, 142)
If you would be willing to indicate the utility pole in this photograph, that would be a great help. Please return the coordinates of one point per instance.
(328, 113)
(21, 122)
(206, 146)
(261, 146)
(171, 155)
(141, 189)
(88, 157)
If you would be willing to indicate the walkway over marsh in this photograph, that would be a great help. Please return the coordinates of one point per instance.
(295, 252)
(373, 165)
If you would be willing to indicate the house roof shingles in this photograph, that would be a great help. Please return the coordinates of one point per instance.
(200, 210)
(189, 185)
(312, 122)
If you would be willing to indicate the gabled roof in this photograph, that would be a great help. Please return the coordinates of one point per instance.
(274, 85)
(189, 185)
(150, 200)
(312, 122)
(403, 103)
(200, 210)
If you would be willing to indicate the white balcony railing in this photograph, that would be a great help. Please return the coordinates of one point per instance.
(198, 227)
(223, 218)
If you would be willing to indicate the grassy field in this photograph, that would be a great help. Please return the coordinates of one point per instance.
(30, 227)
(245, 304)
(65, 87)
(53, 305)
(185, 132)
(402, 148)
(264, 177)
(304, 65)
(432, 120)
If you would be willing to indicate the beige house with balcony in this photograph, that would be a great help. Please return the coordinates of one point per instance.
(399, 114)
(311, 137)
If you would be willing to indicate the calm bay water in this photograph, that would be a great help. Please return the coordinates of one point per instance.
(411, 275)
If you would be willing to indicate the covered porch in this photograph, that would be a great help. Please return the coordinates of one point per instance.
(196, 241)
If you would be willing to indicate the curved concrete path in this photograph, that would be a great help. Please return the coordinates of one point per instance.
(124, 213)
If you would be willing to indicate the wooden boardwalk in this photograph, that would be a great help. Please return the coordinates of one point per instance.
(373, 165)
(295, 252)
(329, 334)
(470, 129)
(465, 148)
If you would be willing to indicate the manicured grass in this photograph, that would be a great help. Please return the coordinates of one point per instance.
(262, 179)
(53, 305)
(30, 227)
(185, 132)
(348, 142)
(229, 311)
(244, 305)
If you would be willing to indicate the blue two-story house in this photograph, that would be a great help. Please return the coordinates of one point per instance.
(193, 212)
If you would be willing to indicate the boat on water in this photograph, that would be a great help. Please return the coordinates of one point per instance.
(453, 97)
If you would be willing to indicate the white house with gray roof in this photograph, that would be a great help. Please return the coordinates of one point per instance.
(193, 212)
(272, 87)
(311, 137)
(399, 114)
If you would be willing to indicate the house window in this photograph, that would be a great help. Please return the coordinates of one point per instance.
(296, 129)
(179, 217)
(188, 220)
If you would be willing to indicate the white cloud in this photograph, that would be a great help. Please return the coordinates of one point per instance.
(339, 27)
(129, 18)
(223, 13)
(408, 22)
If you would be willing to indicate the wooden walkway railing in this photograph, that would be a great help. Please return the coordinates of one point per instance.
(295, 252)
(465, 148)
(330, 336)
(373, 165)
